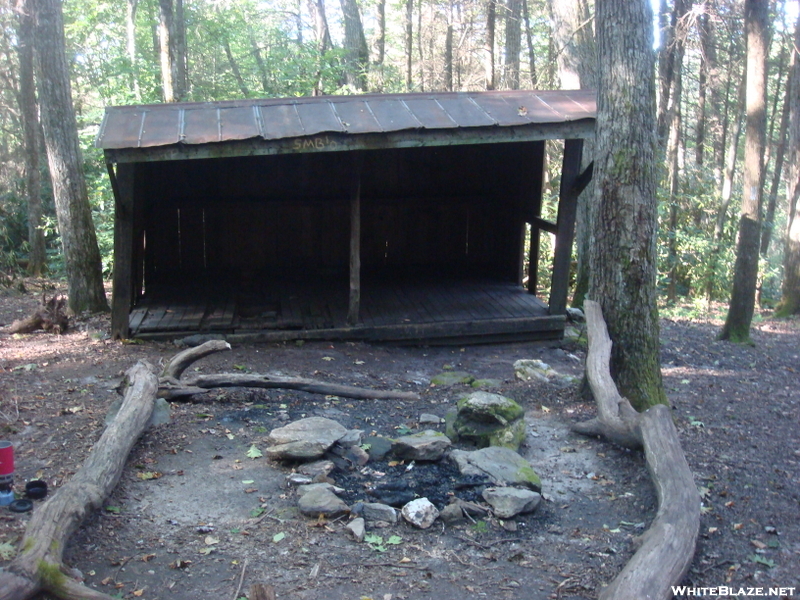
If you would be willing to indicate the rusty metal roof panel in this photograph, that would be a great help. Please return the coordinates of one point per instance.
(318, 118)
(393, 114)
(465, 112)
(279, 118)
(280, 121)
(357, 117)
(430, 113)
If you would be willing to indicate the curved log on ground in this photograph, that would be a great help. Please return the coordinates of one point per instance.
(171, 387)
(667, 547)
(39, 565)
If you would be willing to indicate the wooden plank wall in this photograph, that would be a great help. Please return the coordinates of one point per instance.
(455, 209)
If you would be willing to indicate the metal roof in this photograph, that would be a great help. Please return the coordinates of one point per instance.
(158, 125)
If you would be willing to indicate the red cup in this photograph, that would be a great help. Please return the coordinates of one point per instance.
(6, 461)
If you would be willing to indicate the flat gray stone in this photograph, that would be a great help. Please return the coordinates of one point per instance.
(320, 501)
(376, 511)
(508, 502)
(426, 445)
(420, 513)
(485, 407)
(317, 469)
(302, 490)
(377, 446)
(304, 439)
(533, 369)
(452, 513)
(503, 466)
(429, 419)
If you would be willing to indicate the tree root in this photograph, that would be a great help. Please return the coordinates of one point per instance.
(668, 546)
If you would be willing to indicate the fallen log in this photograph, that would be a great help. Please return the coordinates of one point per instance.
(39, 565)
(667, 547)
(171, 387)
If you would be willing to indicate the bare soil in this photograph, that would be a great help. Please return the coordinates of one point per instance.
(193, 517)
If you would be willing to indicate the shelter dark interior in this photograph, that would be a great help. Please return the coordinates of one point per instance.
(447, 212)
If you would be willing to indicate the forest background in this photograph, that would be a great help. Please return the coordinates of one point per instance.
(148, 51)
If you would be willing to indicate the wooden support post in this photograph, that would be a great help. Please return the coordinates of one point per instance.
(122, 184)
(567, 209)
(534, 216)
(355, 243)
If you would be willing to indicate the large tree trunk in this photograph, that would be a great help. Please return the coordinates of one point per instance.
(355, 45)
(78, 238)
(790, 293)
(172, 43)
(623, 256)
(745, 275)
(667, 547)
(37, 259)
(529, 38)
(513, 43)
(409, 22)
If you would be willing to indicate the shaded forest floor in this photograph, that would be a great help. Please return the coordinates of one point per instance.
(737, 410)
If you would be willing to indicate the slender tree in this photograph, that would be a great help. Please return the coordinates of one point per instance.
(513, 43)
(623, 257)
(37, 258)
(790, 292)
(78, 238)
(745, 276)
(172, 49)
(355, 45)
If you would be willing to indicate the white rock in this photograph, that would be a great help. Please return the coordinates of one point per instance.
(304, 439)
(420, 513)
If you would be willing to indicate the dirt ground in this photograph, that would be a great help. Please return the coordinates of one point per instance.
(194, 517)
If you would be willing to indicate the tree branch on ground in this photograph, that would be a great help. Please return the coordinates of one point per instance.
(666, 549)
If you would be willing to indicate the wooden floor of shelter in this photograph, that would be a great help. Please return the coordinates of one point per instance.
(456, 311)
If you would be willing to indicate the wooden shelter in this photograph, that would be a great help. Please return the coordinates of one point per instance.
(378, 217)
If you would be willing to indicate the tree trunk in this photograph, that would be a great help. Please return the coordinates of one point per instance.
(172, 43)
(323, 35)
(790, 292)
(745, 275)
(78, 238)
(777, 173)
(37, 259)
(237, 74)
(179, 66)
(673, 166)
(448, 51)
(667, 22)
(513, 43)
(529, 39)
(623, 257)
(130, 31)
(409, 43)
(491, 19)
(381, 42)
(355, 45)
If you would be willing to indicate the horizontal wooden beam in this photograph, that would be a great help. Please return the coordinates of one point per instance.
(544, 224)
(339, 142)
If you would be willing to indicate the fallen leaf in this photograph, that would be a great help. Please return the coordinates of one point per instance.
(148, 557)
(211, 540)
(254, 452)
(248, 481)
(359, 362)
(738, 526)
(250, 490)
(328, 358)
(148, 475)
(278, 537)
(107, 580)
(545, 409)
(758, 544)
(138, 593)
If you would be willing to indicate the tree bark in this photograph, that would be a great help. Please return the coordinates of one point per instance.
(409, 43)
(529, 38)
(491, 19)
(130, 31)
(39, 567)
(623, 256)
(37, 259)
(355, 45)
(172, 44)
(381, 42)
(78, 238)
(513, 43)
(790, 291)
(237, 74)
(745, 275)
(667, 547)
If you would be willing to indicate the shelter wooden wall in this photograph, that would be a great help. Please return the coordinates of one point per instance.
(449, 211)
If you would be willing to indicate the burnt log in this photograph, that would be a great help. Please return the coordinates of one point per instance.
(666, 549)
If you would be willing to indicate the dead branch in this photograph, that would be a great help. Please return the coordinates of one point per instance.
(668, 546)
(39, 565)
(51, 316)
